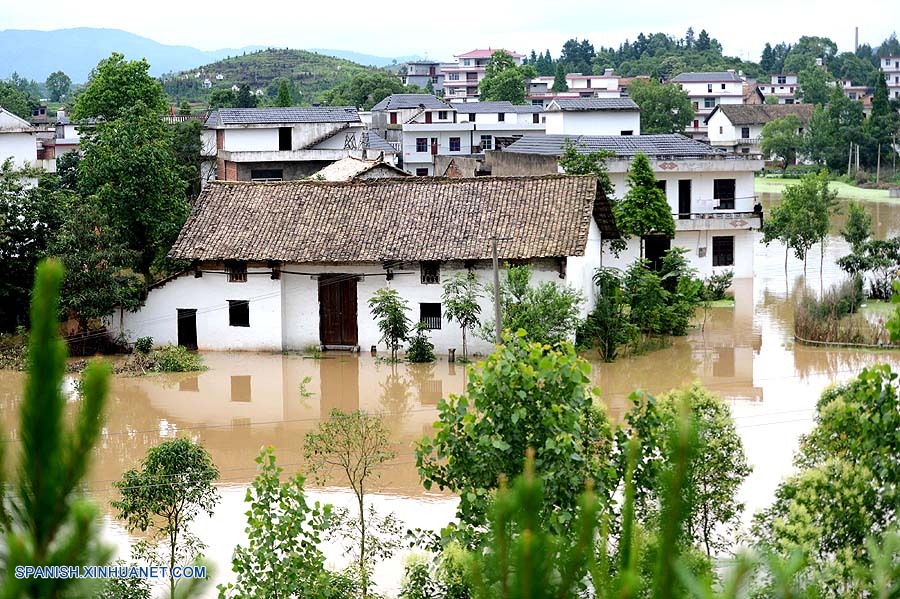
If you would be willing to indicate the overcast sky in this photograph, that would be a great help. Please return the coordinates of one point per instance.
(442, 29)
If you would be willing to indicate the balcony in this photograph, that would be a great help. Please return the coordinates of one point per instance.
(717, 221)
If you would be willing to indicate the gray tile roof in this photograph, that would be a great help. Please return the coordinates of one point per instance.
(414, 219)
(718, 77)
(669, 145)
(584, 104)
(482, 107)
(278, 116)
(760, 114)
(405, 101)
(378, 143)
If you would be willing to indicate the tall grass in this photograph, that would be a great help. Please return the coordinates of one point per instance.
(834, 318)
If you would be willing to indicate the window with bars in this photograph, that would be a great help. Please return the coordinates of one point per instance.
(431, 273)
(723, 251)
(454, 144)
(237, 272)
(430, 315)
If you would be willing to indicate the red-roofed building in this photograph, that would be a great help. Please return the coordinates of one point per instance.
(461, 80)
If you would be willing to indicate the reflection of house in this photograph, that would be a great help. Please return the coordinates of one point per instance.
(17, 140)
(288, 265)
(738, 128)
(711, 193)
(593, 116)
(706, 91)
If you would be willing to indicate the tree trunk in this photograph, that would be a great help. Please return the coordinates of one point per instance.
(465, 353)
(173, 538)
(362, 548)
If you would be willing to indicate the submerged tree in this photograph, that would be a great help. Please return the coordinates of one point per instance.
(460, 298)
(389, 311)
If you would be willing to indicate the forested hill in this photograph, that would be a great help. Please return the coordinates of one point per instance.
(308, 73)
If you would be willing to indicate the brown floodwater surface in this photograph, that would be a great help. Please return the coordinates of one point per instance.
(246, 401)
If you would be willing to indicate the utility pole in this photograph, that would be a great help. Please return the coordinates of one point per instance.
(878, 168)
(498, 326)
(850, 159)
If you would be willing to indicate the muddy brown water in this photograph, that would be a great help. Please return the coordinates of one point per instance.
(245, 401)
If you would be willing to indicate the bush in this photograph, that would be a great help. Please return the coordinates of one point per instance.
(420, 348)
(839, 301)
(715, 286)
(607, 325)
(143, 345)
(175, 358)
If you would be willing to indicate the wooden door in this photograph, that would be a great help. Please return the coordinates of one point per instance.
(684, 198)
(337, 310)
(427, 117)
(187, 328)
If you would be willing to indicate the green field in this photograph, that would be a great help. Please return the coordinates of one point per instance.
(850, 192)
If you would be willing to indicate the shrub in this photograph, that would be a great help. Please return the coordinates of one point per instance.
(420, 348)
(143, 345)
(175, 358)
(607, 325)
(389, 311)
(715, 286)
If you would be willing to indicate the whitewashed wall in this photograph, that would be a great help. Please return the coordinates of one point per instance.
(595, 122)
(20, 147)
(251, 140)
(701, 188)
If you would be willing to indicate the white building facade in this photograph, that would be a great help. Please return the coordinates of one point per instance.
(592, 116)
(738, 128)
(890, 66)
(17, 140)
(461, 80)
(706, 91)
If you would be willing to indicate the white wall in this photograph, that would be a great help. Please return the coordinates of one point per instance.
(251, 140)
(594, 122)
(701, 188)
(20, 147)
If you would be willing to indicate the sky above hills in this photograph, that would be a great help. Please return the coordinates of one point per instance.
(442, 30)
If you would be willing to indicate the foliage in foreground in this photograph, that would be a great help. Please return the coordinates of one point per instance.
(168, 358)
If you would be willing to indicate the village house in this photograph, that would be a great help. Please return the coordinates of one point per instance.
(890, 66)
(498, 124)
(783, 87)
(592, 116)
(461, 81)
(606, 85)
(17, 140)
(274, 144)
(738, 128)
(710, 192)
(422, 72)
(706, 91)
(303, 275)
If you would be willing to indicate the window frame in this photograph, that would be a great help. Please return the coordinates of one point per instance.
(431, 321)
(501, 117)
(236, 270)
(430, 272)
(726, 201)
(720, 257)
(442, 115)
(456, 144)
(421, 144)
(239, 313)
(490, 143)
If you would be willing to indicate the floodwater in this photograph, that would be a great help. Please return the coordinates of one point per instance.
(246, 401)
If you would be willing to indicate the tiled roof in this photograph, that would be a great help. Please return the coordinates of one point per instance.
(487, 53)
(480, 107)
(349, 168)
(718, 77)
(585, 104)
(410, 219)
(277, 116)
(668, 145)
(378, 143)
(760, 114)
(405, 101)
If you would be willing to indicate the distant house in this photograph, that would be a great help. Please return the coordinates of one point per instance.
(282, 266)
(711, 193)
(890, 66)
(207, 84)
(607, 85)
(706, 91)
(17, 140)
(498, 124)
(738, 128)
(461, 80)
(592, 116)
(423, 72)
(219, 76)
(355, 169)
(783, 87)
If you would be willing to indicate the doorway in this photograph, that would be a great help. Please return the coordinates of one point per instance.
(655, 246)
(337, 311)
(684, 199)
(187, 327)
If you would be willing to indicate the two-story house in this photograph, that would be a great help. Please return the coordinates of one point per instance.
(497, 124)
(706, 91)
(890, 66)
(17, 140)
(781, 86)
(737, 128)
(423, 72)
(461, 80)
(607, 85)
(592, 116)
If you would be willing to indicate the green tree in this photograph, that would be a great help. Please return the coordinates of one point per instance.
(813, 85)
(504, 81)
(608, 326)
(45, 519)
(460, 298)
(781, 139)
(245, 98)
(365, 90)
(187, 148)
(804, 53)
(559, 79)
(284, 94)
(526, 395)
(221, 98)
(830, 131)
(58, 84)
(549, 312)
(882, 125)
(644, 210)
(356, 445)
(116, 86)
(665, 107)
(858, 228)
(281, 557)
(161, 498)
(767, 60)
(15, 101)
(389, 311)
(184, 108)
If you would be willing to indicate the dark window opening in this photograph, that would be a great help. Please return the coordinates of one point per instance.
(536, 118)
(284, 138)
(421, 144)
(723, 251)
(238, 313)
(431, 273)
(393, 118)
(237, 272)
(745, 132)
(430, 316)
(442, 115)
(454, 144)
(627, 132)
(501, 117)
(723, 190)
(266, 174)
(661, 185)
(421, 172)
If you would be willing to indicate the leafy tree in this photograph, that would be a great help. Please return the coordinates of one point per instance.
(172, 487)
(549, 313)
(245, 98)
(184, 108)
(850, 66)
(831, 130)
(45, 520)
(460, 300)
(703, 41)
(880, 258)
(577, 56)
(389, 310)
(804, 53)
(527, 395)
(116, 86)
(284, 94)
(15, 101)
(882, 125)
(187, 147)
(665, 108)
(355, 445)
(858, 228)
(608, 325)
(281, 558)
(504, 81)
(767, 60)
(813, 85)
(124, 588)
(421, 349)
(559, 79)
(58, 84)
(221, 98)
(644, 210)
(365, 90)
(781, 139)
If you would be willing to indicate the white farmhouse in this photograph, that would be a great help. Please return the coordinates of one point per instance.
(783, 87)
(497, 124)
(738, 127)
(303, 274)
(607, 85)
(592, 116)
(461, 80)
(890, 66)
(710, 192)
(706, 91)
(17, 140)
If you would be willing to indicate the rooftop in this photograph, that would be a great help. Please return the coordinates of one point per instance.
(480, 107)
(281, 116)
(589, 104)
(487, 53)
(760, 114)
(665, 146)
(410, 219)
(718, 77)
(407, 101)
(349, 168)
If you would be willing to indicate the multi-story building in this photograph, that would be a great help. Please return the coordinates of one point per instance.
(606, 85)
(592, 116)
(706, 91)
(782, 86)
(738, 128)
(423, 72)
(462, 79)
(498, 124)
(890, 66)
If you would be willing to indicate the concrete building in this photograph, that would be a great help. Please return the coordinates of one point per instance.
(738, 128)
(423, 72)
(498, 124)
(706, 91)
(607, 85)
(274, 280)
(781, 86)
(711, 193)
(17, 140)
(890, 66)
(592, 116)
(461, 80)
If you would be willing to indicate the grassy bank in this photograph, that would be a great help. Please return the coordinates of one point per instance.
(850, 192)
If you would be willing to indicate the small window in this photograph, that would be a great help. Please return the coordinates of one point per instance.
(789, 101)
(442, 115)
(782, 79)
(745, 132)
(627, 132)
(238, 313)
(709, 87)
(421, 144)
(721, 130)
(421, 172)
(486, 142)
(431, 273)
(430, 316)
(723, 251)
(501, 116)
(266, 174)
(661, 185)
(723, 86)
(284, 139)
(237, 272)
(723, 190)
(536, 118)
(393, 118)
(709, 102)
(454, 144)
(745, 150)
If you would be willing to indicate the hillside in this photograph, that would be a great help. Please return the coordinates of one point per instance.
(36, 54)
(365, 59)
(309, 73)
